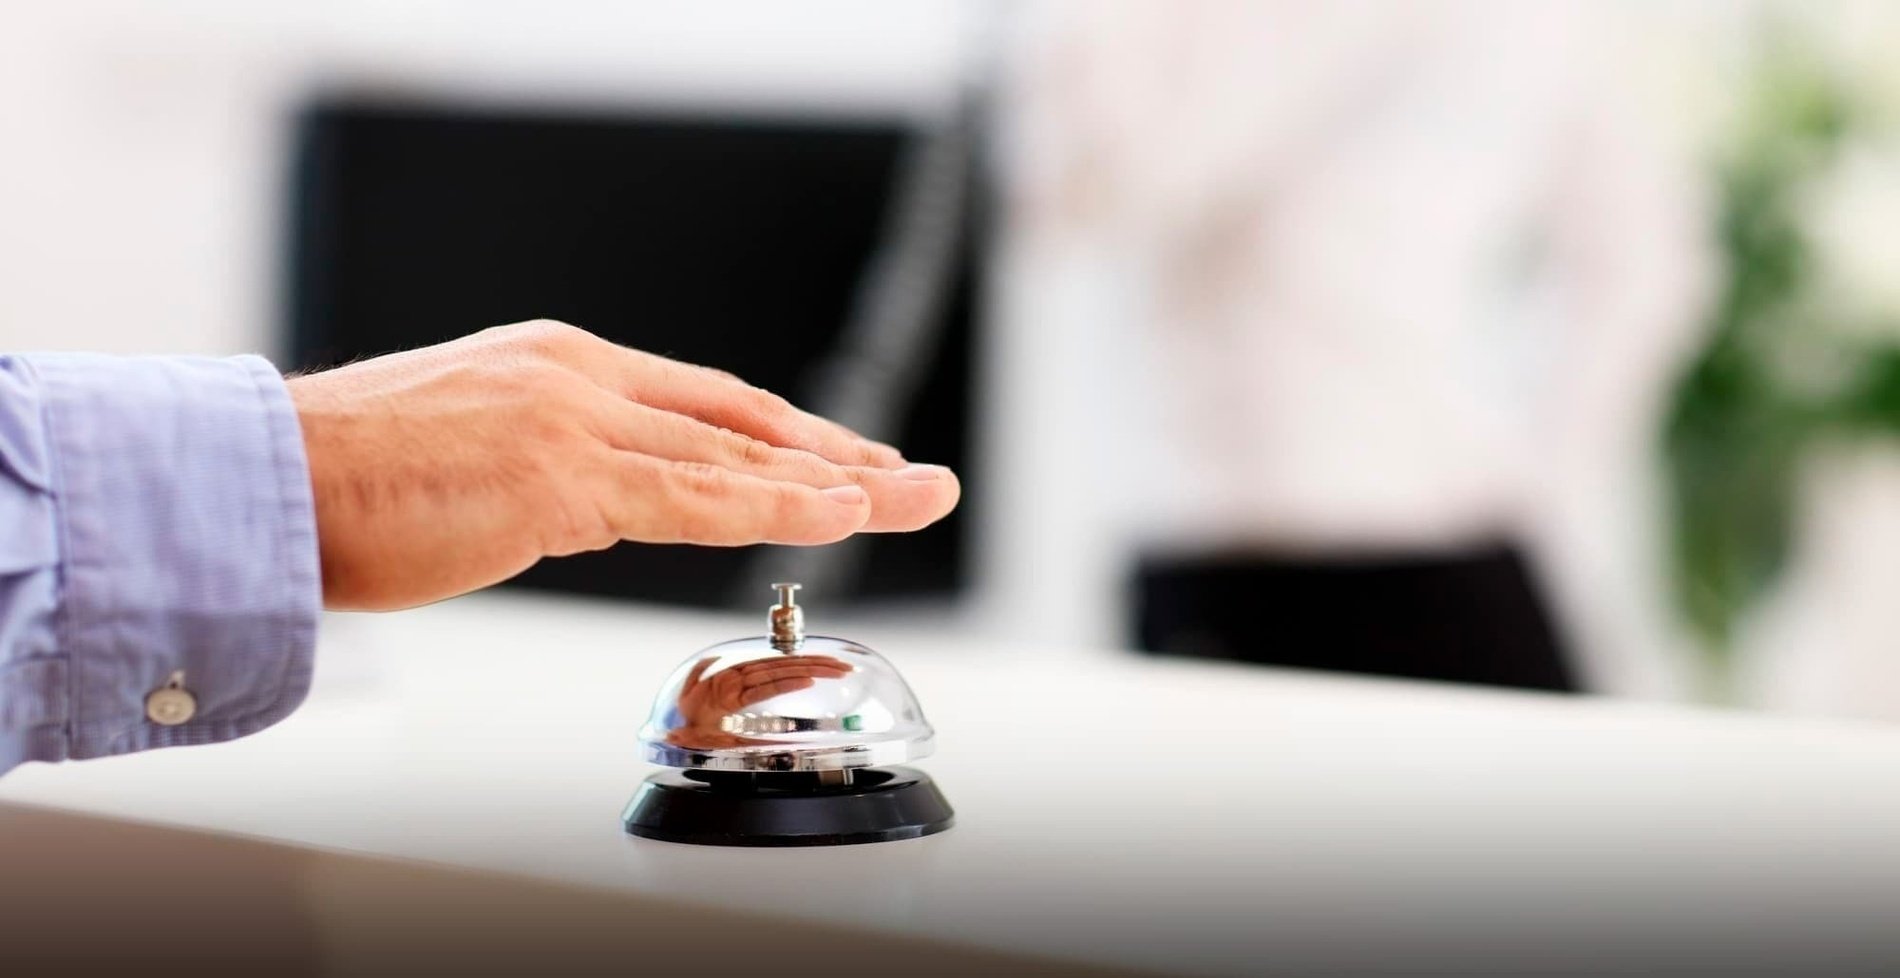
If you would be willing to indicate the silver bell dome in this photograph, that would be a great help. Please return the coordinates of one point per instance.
(786, 701)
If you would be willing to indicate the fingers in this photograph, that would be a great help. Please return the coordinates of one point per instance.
(758, 672)
(693, 675)
(656, 500)
(719, 398)
(761, 679)
(711, 395)
(901, 499)
(761, 693)
(782, 661)
(825, 663)
(767, 676)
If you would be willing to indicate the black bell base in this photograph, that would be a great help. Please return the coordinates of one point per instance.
(719, 808)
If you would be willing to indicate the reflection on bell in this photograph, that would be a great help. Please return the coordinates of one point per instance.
(786, 740)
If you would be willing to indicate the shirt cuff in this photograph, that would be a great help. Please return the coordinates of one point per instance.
(188, 546)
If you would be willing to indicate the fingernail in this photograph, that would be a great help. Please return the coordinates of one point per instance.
(846, 495)
(922, 473)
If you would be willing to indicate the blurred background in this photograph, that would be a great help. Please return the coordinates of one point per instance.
(1552, 346)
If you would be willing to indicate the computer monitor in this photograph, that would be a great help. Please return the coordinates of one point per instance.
(741, 243)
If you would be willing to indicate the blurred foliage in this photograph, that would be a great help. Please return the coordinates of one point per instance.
(1780, 372)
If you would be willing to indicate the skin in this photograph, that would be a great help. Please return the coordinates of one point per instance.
(446, 469)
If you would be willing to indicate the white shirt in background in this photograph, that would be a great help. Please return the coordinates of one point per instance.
(1341, 277)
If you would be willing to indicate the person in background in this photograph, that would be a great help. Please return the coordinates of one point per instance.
(170, 526)
(1410, 283)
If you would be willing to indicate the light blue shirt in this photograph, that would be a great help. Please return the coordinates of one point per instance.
(155, 519)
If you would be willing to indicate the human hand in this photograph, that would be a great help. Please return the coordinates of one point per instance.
(704, 703)
(445, 469)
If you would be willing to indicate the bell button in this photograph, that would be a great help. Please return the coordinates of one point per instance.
(171, 704)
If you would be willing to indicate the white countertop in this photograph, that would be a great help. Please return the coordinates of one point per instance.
(1110, 808)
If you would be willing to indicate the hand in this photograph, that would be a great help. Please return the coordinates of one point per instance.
(449, 468)
(704, 703)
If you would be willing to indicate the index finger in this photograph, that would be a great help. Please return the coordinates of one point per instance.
(768, 676)
(759, 694)
(693, 675)
(781, 661)
(719, 398)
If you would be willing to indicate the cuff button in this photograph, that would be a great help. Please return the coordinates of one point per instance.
(171, 704)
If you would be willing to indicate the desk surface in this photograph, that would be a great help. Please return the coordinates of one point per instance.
(1178, 816)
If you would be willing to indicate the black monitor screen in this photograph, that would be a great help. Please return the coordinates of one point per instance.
(734, 243)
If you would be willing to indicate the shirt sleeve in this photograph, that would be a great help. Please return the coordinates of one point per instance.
(155, 523)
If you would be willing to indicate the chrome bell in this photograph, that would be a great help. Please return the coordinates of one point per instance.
(786, 739)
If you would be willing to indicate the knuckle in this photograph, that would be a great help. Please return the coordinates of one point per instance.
(770, 417)
(700, 481)
(697, 528)
(757, 456)
(545, 386)
(789, 504)
(754, 452)
(767, 406)
(548, 337)
(728, 446)
(547, 327)
(861, 454)
(702, 511)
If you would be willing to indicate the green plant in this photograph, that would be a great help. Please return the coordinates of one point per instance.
(1782, 369)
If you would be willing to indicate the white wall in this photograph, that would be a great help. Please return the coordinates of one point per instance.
(141, 145)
